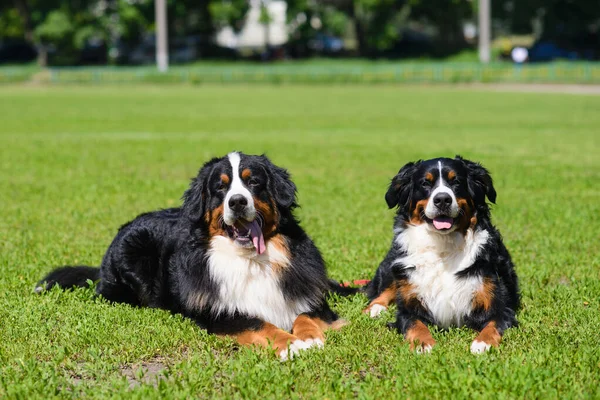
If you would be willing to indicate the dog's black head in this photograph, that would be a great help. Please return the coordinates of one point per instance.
(241, 197)
(447, 194)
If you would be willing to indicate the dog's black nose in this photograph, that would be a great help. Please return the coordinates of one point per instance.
(442, 200)
(237, 202)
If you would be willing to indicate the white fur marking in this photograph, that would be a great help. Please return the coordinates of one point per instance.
(478, 347)
(424, 349)
(296, 347)
(431, 211)
(436, 260)
(248, 284)
(375, 310)
(237, 187)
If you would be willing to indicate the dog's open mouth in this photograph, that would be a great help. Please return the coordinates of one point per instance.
(247, 234)
(442, 222)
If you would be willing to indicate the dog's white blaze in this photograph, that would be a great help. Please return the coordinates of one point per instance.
(237, 187)
(436, 260)
(430, 209)
(248, 284)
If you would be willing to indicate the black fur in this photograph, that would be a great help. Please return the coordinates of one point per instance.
(160, 258)
(76, 276)
(472, 183)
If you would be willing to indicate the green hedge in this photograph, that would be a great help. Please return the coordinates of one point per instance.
(16, 74)
(344, 72)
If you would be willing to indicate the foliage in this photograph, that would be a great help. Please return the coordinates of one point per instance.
(375, 25)
(229, 13)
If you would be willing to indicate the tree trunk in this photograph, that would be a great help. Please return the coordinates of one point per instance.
(359, 31)
(25, 13)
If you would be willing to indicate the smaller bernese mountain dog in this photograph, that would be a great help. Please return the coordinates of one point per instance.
(233, 259)
(447, 265)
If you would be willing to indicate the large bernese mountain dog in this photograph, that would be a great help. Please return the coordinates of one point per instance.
(233, 259)
(447, 265)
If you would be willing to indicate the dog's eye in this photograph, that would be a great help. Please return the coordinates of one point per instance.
(425, 183)
(222, 186)
(253, 182)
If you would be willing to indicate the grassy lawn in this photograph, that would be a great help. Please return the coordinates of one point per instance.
(77, 162)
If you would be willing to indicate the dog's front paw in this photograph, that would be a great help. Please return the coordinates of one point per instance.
(375, 310)
(297, 346)
(479, 347)
(422, 348)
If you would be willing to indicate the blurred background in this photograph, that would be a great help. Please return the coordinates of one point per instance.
(122, 32)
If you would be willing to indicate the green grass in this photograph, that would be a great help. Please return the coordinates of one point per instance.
(77, 162)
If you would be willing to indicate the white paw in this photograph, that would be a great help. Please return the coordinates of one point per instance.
(478, 347)
(315, 343)
(424, 349)
(298, 346)
(376, 310)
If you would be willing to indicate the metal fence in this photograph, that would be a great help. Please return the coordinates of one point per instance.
(345, 72)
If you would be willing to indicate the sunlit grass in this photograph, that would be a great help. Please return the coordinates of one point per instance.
(77, 162)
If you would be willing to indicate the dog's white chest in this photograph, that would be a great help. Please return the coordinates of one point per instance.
(250, 285)
(434, 260)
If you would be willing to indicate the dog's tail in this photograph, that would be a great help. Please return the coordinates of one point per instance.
(68, 277)
(344, 289)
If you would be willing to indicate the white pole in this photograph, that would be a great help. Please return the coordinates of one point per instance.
(484, 31)
(162, 46)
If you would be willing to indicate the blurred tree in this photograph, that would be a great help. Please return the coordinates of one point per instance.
(378, 24)
(26, 22)
(56, 31)
(448, 17)
(375, 22)
(229, 13)
(558, 17)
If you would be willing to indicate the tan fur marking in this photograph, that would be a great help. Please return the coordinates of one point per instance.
(419, 336)
(213, 218)
(306, 328)
(483, 298)
(338, 324)
(246, 174)
(417, 212)
(451, 175)
(473, 222)
(269, 214)
(268, 336)
(429, 177)
(490, 335)
(467, 219)
(225, 179)
(387, 297)
(281, 244)
(407, 292)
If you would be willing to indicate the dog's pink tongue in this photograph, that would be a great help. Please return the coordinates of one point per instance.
(442, 222)
(257, 237)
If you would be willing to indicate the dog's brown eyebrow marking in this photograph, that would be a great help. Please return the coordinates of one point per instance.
(451, 175)
(225, 179)
(429, 176)
(246, 173)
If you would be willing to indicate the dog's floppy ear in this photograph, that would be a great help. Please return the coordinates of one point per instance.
(280, 184)
(480, 181)
(401, 186)
(196, 196)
